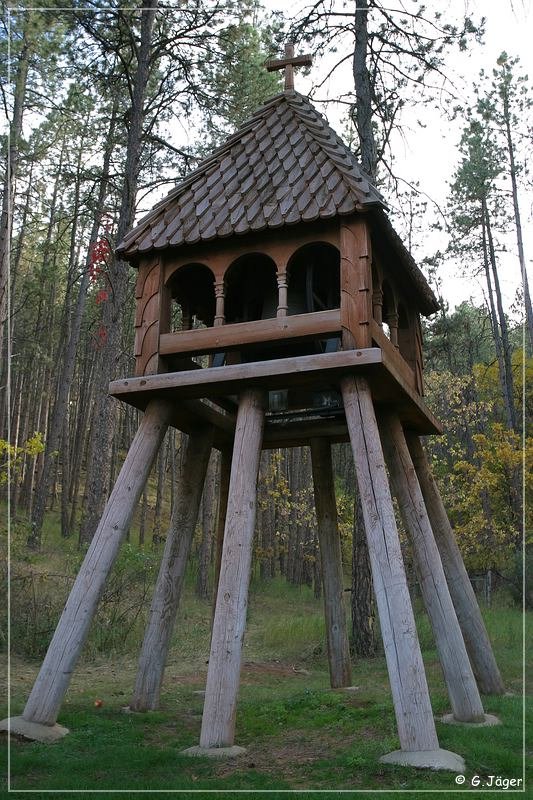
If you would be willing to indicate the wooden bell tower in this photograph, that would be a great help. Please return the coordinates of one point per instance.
(277, 307)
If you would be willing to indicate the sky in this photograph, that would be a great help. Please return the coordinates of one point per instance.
(429, 154)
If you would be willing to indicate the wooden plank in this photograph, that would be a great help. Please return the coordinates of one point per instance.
(356, 283)
(223, 337)
(414, 717)
(458, 676)
(466, 606)
(218, 721)
(276, 373)
(340, 668)
(169, 584)
(67, 642)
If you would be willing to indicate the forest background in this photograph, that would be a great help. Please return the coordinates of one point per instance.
(107, 107)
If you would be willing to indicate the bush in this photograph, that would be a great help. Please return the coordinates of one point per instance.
(37, 598)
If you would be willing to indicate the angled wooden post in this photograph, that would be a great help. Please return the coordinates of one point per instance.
(218, 721)
(340, 668)
(225, 473)
(414, 716)
(52, 682)
(458, 676)
(169, 583)
(466, 606)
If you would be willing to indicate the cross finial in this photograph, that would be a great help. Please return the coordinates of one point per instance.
(288, 63)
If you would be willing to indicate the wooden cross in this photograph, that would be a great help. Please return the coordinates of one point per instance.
(288, 63)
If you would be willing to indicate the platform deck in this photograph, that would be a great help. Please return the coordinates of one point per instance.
(207, 395)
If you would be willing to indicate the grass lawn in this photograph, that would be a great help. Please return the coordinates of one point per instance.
(298, 733)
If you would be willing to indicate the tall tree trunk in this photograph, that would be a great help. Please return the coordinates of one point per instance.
(363, 628)
(98, 473)
(15, 131)
(506, 346)
(518, 223)
(69, 362)
(363, 91)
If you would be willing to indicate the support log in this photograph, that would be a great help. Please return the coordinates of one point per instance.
(466, 606)
(67, 642)
(340, 669)
(218, 721)
(414, 717)
(225, 473)
(169, 584)
(458, 676)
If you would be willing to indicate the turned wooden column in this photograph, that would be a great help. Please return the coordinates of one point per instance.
(220, 317)
(283, 306)
(458, 676)
(340, 669)
(171, 575)
(414, 716)
(52, 682)
(466, 606)
(218, 721)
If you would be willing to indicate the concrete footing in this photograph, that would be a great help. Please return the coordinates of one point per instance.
(34, 731)
(426, 759)
(214, 752)
(488, 721)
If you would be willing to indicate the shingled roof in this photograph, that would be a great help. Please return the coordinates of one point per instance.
(283, 166)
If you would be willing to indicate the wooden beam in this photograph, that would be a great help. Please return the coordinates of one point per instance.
(218, 721)
(356, 283)
(466, 606)
(340, 668)
(458, 676)
(67, 642)
(414, 717)
(171, 575)
(262, 331)
(276, 373)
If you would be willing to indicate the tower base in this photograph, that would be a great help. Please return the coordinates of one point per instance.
(426, 759)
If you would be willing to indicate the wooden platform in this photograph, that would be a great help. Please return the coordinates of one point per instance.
(208, 395)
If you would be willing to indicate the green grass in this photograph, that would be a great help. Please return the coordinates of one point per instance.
(298, 733)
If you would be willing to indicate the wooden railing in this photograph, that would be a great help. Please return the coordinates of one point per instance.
(393, 358)
(299, 327)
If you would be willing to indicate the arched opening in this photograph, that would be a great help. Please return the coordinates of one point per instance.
(314, 279)
(193, 289)
(251, 289)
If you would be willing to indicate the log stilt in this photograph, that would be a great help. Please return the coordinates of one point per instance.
(218, 721)
(169, 583)
(466, 606)
(340, 669)
(458, 676)
(416, 727)
(67, 642)
(225, 473)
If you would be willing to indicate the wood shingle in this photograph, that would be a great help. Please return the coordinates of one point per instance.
(275, 167)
